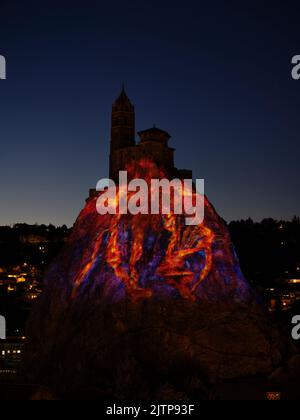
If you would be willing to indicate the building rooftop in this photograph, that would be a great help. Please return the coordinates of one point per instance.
(154, 134)
(123, 102)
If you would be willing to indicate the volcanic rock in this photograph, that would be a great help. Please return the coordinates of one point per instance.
(140, 307)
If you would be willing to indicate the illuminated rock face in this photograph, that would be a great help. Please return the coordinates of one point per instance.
(142, 257)
(152, 256)
(142, 306)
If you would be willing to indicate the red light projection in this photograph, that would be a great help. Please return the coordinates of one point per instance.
(144, 256)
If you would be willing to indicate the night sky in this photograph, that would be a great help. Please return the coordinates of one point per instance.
(216, 75)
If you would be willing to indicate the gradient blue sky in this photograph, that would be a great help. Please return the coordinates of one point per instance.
(216, 75)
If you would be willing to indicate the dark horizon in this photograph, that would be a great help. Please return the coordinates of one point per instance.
(218, 78)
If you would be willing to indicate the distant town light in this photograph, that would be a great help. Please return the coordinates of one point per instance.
(274, 396)
(294, 281)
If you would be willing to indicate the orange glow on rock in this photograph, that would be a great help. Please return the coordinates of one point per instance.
(144, 256)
